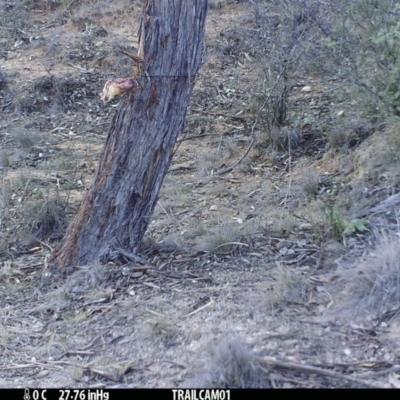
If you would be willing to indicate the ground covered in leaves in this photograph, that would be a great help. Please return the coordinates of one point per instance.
(273, 258)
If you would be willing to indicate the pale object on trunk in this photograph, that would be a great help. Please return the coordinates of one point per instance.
(116, 87)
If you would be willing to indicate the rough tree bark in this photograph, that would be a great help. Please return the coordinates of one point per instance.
(114, 214)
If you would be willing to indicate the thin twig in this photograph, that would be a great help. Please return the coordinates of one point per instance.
(319, 371)
(200, 308)
(228, 244)
(386, 371)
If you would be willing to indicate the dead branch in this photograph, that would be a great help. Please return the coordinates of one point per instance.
(268, 363)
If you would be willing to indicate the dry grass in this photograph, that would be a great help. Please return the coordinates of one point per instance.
(222, 238)
(285, 225)
(373, 286)
(207, 163)
(288, 287)
(175, 195)
(46, 221)
(30, 209)
(5, 158)
(27, 140)
(230, 364)
(284, 139)
(162, 332)
(310, 182)
(170, 243)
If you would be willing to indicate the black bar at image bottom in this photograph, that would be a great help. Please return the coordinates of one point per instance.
(116, 394)
(161, 394)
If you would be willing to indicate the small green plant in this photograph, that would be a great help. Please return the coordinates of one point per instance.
(76, 373)
(341, 227)
(335, 220)
(89, 28)
(355, 225)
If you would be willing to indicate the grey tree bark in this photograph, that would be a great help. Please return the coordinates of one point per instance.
(114, 214)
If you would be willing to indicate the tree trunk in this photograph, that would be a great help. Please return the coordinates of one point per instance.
(114, 214)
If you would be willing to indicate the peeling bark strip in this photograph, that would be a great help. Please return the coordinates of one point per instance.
(115, 212)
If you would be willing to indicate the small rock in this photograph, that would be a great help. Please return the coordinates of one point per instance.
(306, 89)
(282, 244)
(305, 226)
(42, 373)
(283, 251)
